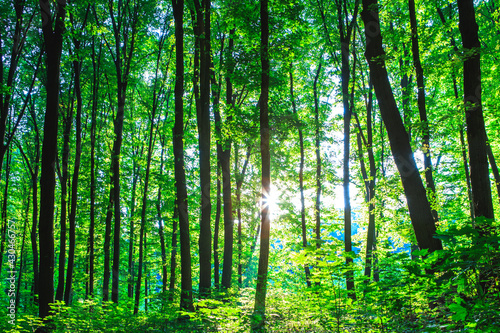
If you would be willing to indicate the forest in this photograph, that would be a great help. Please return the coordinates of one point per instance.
(249, 166)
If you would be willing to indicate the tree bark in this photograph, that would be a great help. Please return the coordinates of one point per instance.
(173, 252)
(225, 160)
(131, 239)
(53, 49)
(76, 171)
(476, 133)
(301, 181)
(239, 183)
(186, 301)
(345, 40)
(161, 227)
(95, 92)
(317, 141)
(68, 121)
(261, 288)
(202, 34)
(426, 145)
(418, 204)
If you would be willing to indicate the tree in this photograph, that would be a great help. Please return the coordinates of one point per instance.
(418, 204)
(345, 30)
(52, 28)
(125, 29)
(419, 71)
(180, 174)
(301, 181)
(476, 133)
(261, 288)
(203, 60)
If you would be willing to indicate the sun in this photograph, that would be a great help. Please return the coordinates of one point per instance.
(271, 200)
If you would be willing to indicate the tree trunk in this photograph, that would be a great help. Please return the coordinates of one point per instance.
(301, 181)
(345, 40)
(124, 31)
(202, 34)
(261, 288)
(106, 248)
(135, 179)
(53, 48)
(476, 133)
(173, 252)
(142, 236)
(317, 141)
(217, 228)
(186, 302)
(95, 92)
(426, 145)
(161, 227)
(418, 204)
(74, 183)
(239, 182)
(369, 180)
(225, 160)
(68, 121)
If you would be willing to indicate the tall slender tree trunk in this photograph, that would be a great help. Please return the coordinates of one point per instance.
(239, 182)
(21, 259)
(345, 40)
(317, 148)
(142, 236)
(202, 35)
(426, 145)
(106, 247)
(161, 227)
(68, 122)
(53, 48)
(476, 133)
(95, 94)
(186, 302)
(369, 179)
(131, 240)
(216, 88)
(173, 252)
(301, 181)
(218, 209)
(261, 288)
(225, 160)
(418, 204)
(124, 32)
(74, 183)
(34, 226)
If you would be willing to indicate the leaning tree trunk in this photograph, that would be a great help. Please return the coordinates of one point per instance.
(418, 204)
